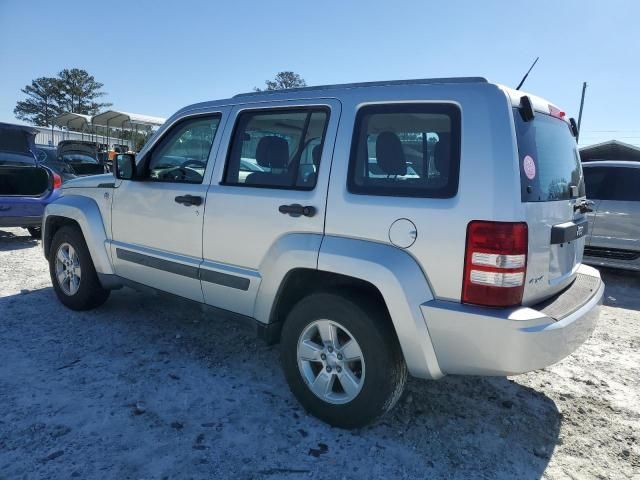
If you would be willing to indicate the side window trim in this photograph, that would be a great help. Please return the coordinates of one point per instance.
(143, 167)
(432, 107)
(309, 109)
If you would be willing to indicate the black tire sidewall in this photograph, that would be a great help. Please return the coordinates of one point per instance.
(90, 293)
(384, 365)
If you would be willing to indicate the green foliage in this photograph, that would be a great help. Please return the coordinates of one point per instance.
(72, 90)
(284, 80)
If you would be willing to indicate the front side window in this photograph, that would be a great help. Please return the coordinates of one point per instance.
(182, 155)
(408, 150)
(277, 148)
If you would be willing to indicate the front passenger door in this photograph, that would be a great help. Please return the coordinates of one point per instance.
(157, 218)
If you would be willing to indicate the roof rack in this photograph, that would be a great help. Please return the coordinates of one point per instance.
(418, 81)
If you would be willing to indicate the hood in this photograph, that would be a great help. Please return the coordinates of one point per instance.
(17, 139)
(68, 146)
(91, 181)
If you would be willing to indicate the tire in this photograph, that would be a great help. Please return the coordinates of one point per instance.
(383, 372)
(88, 293)
(35, 232)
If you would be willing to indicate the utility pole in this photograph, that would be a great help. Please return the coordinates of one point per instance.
(584, 89)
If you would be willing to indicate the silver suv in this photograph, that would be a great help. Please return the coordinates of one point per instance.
(614, 239)
(428, 227)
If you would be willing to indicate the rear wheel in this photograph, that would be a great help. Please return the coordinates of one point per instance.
(341, 358)
(35, 232)
(72, 272)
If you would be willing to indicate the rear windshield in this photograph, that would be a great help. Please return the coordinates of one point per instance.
(549, 159)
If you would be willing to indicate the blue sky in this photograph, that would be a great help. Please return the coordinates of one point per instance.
(155, 57)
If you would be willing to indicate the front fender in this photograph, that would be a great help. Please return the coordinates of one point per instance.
(86, 213)
(403, 286)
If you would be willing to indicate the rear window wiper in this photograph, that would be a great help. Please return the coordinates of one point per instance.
(584, 206)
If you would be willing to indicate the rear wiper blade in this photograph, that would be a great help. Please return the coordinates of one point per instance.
(584, 206)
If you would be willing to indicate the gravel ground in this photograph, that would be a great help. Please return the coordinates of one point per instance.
(150, 387)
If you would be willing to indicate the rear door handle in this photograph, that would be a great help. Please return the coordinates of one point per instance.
(297, 210)
(187, 200)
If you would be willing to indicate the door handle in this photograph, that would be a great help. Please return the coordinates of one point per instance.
(187, 200)
(297, 210)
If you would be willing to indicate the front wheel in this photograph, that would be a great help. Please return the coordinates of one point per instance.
(73, 275)
(342, 359)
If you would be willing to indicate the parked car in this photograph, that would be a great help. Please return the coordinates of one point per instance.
(614, 239)
(48, 156)
(26, 186)
(80, 156)
(365, 270)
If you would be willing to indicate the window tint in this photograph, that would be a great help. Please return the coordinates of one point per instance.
(594, 179)
(277, 148)
(621, 184)
(549, 159)
(182, 155)
(406, 150)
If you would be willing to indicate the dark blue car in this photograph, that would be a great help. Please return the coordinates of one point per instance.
(26, 186)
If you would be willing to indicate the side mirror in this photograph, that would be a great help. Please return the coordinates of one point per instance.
(124, 166)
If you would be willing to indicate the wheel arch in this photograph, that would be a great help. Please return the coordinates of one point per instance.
(403, 286)
(84, 213)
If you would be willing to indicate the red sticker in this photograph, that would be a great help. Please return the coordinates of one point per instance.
(529, 167)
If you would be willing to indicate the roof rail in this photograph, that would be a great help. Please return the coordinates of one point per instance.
(418, 81)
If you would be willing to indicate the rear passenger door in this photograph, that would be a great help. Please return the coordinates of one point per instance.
(267, 197)
(617, 224)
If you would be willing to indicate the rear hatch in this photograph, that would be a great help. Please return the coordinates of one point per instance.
(81, 157)
(20, 174)
(551, 184)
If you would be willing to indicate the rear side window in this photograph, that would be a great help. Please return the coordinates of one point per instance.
(548, 158)
(277, 148)
(406, 150)
(594, 180)
(613, 183)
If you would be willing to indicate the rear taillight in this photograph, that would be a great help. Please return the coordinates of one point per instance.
(495, 263)
(57, 181)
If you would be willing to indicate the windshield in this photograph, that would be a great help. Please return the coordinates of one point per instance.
(78, 158)
(549, 159)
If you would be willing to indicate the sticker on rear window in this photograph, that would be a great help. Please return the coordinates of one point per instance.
(529, 167)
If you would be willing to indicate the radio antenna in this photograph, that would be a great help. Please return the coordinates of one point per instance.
(527, 74)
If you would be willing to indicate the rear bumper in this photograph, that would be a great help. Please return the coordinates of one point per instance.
(32, 221)
(470, 340)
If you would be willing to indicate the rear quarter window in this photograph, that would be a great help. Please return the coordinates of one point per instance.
(406, 150)
(549, 159)
(613, 183)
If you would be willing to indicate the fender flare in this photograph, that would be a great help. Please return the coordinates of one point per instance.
(86, 213)
(403, 285)
(291, 251)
